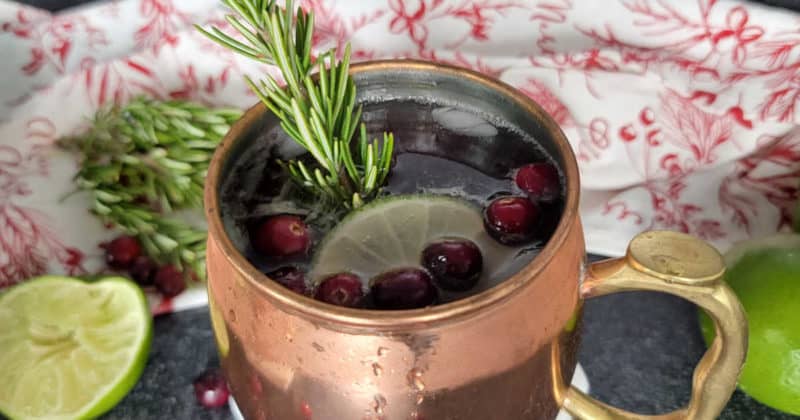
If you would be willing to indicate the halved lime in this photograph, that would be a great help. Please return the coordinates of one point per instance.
(392, 232)
(70, 349)
(765, 274)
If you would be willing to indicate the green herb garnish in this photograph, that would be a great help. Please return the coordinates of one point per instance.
(319, 113)
(146, 159)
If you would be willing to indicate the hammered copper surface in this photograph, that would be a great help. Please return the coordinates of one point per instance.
(493, 364)
(487, 356)
(506, 353)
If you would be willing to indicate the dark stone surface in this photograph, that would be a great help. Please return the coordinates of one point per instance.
(183, 348)
(56, 5)
(639, 350)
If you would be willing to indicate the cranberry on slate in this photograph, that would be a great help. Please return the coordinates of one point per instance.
(403, 288)
(281, 236)
(143, 270)
(211, 389)
(291, 278)
(540, 180)
(455, 264)
(343, 289)
(122, 251)
(511, 220)
(169, 281)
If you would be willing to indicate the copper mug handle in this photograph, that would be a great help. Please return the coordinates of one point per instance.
(687, 267)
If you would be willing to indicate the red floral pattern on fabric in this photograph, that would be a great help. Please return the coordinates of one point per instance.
(682, 117)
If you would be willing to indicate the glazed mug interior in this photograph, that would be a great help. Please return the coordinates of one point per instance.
(505, 353)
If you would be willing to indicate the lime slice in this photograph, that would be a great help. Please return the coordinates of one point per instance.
(70, 349)
(765, 274)
(392, 232)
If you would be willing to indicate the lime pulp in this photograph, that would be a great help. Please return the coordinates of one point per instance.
(70, 349)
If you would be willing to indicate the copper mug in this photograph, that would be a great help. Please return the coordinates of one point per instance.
(506, 353)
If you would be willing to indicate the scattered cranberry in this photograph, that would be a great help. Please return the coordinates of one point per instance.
(122, 251)
(169, 281)
(343, 289)
(455, 264)
(291, 278)
(211, 389)
(540, 180)
(404, 288)
(511, 220)
(143, 270)
(281, 236)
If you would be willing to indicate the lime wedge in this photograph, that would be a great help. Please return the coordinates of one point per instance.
(70, 349)
(392, 232)
(765, 274)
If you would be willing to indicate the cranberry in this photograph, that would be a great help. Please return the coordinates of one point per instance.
(454, 263)
(281, 236)
(291, 278)
(540, 180)
(343, 289)
(211, 389)
(169, 281)
(511, 220)
(404, 288)
(122, 251)
(143, 270)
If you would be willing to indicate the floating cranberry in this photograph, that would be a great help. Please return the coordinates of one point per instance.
(143, 270)
(122, 251)
(455, 264)
(281, 236)
(343, 289)
(403, 288)
(511, 220)
(211, 389)
(291, 278)
(540, 180)
(169, 281)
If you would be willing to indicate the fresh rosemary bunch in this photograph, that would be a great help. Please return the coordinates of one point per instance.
(319, 113)
(145, 160)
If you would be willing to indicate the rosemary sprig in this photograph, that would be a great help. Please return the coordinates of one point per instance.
(319, 113)
(146, 159)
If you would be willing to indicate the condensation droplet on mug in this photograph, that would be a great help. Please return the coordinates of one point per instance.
(382, 351)
(377, 369)
(415, 379)
(379, 404)
(232, 315)
(289, 337)
(420, 398)
(254, 385)
(318, 347)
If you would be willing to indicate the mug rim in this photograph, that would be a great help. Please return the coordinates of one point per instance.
(394, 319)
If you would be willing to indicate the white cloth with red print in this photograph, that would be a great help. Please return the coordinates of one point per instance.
(683, 114)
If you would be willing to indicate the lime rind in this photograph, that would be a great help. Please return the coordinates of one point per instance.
(392, 232)
(73, 349)
(765, 274)
(779, 240)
